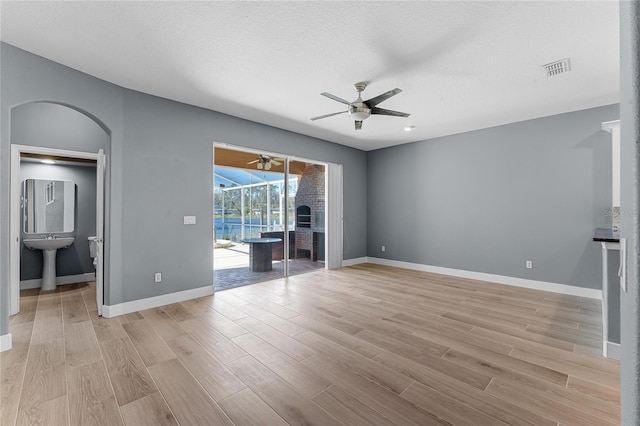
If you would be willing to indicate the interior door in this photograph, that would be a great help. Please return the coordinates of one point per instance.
(100, 166)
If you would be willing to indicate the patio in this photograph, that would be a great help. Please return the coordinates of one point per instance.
(231, 267)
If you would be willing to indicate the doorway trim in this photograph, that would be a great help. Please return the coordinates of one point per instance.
(14, 212)
(333, 196)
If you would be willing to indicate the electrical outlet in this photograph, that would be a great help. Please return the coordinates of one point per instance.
(383, 248)
(529, 264)
(158, 277)
(189, 220)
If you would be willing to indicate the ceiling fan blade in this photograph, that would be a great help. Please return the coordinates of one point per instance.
(380, 98)
(358, 125)
(327, 115)
(254, 161)
(335, 98)
(382, 111)
(275, 162)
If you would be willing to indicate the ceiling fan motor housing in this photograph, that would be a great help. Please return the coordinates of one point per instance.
(359, 111)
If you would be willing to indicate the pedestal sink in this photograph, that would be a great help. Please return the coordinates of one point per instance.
(49, 247)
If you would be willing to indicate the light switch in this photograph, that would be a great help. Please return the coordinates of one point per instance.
(189, 220)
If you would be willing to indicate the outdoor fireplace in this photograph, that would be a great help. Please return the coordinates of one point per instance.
(310, 208)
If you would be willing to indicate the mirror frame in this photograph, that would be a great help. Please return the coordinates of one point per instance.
(49, 196)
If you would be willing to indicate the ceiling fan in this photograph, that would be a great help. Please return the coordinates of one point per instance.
(265, 162)
(360, 110)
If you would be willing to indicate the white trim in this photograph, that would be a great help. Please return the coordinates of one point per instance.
(65, 279)
(613, 350)
(334, 233)
(266, 152)
(590, 293)
(155, 301)
(14, 212)
(99, 238)
(622, 272)
(30, 149)
(14, 233)
(608, 126)
(613, 127)
(605, 295)
(5, 342)
(356, 261)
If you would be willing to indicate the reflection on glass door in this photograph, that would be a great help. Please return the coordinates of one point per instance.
(252, 193)
(308, 209)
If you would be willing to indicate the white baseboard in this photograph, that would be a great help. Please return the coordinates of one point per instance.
(66, 279)
(356, 261)
(5, 342)
(613, 350)
(155, 301)
(590, 293)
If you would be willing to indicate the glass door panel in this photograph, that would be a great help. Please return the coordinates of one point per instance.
(307, 212)
(256, 211)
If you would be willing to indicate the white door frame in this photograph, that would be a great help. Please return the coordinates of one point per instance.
(333, 203)
(14, 213)
(101, 165)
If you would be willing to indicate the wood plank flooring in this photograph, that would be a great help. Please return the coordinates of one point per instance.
(363, 345)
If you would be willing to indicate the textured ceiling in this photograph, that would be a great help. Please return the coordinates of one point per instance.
(461, 65)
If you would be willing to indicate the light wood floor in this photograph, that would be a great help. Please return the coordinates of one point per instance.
(365, 345)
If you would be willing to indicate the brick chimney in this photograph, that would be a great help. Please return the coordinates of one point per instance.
(310, 208)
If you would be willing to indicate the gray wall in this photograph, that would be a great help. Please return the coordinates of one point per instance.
(168, 173)
(74, 260)
(27, 78)
(630, 203)
(156, 146)
(488, 200)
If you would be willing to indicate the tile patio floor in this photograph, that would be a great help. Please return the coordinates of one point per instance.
(231, 268)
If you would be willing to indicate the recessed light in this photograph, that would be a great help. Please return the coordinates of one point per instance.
(47, 161)
(408, 128)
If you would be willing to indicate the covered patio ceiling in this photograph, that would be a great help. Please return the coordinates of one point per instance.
(232, 169)
(226, 177)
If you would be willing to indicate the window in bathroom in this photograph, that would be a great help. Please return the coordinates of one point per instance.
(49, 193)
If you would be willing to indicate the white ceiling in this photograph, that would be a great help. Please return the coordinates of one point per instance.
(462, 65)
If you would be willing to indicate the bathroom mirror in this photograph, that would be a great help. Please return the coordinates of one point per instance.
(49, 206)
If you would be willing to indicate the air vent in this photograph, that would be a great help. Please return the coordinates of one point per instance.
(557, 67)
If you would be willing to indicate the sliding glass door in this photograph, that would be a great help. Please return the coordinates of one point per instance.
(269, 217)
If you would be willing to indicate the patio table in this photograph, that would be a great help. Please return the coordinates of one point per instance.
(260, 253)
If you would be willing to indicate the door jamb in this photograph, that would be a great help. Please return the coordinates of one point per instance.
(14, 213)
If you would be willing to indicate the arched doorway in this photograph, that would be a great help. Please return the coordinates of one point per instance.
(70, 135)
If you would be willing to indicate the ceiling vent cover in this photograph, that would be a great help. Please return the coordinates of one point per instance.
(557, 67)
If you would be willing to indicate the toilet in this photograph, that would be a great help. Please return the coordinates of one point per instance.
(93, 249)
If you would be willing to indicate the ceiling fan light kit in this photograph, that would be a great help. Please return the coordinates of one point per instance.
(360, 110)
(264, 162)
